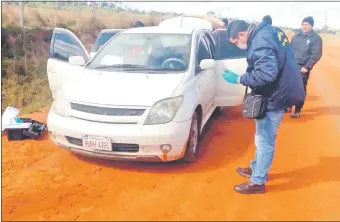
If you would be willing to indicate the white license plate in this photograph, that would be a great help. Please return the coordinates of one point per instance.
(97, 143)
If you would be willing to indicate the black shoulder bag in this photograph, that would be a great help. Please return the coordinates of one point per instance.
(255, 105)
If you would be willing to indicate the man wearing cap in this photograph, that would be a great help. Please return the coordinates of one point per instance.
(307, 48)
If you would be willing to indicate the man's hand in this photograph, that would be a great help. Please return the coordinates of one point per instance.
(303, 70)
(231, 77)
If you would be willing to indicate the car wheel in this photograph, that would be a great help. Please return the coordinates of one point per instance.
(218, 111)
(193, 141)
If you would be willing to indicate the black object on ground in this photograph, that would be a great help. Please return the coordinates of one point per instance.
(15, 134)
(35, 130)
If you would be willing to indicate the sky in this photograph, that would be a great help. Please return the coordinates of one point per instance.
(289, 14)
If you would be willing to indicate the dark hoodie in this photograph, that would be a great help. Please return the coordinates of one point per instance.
(272, 69)
(307, 49)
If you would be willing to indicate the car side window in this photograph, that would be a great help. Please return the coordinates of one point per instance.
(64, 46)
(225, 49)
(203, 51)
(211, 43)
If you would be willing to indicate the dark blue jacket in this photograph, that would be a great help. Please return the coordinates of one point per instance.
(307, 49)
(272, 69)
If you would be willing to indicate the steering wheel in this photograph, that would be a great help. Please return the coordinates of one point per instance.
(179, 61)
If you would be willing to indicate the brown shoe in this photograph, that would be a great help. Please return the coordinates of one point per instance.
(249, 188)
(246, 172)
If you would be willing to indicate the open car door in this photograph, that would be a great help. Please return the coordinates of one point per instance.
(228, 56)
(64, 44)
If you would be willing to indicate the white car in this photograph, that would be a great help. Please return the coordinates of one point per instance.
(146, 94)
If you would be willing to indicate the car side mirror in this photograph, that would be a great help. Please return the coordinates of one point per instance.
(207, 64)
(76, 60)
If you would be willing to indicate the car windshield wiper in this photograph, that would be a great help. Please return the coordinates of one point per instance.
(167, 69)
(120, 66)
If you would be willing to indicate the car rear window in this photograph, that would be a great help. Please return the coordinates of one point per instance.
(105, 37)
(102, 39)
(225, 49)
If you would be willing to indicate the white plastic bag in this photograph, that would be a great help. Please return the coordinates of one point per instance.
(9, 115)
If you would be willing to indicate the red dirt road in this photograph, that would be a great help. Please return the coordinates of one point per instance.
(43, 182)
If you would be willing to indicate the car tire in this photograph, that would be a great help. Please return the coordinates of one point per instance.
(218, 111)
(190, 155)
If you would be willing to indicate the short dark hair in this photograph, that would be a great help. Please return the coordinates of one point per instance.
(225, 21)
(267, 19)
(235, 27)
(138, 24)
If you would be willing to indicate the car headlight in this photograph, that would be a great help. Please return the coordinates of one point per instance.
(59, 104)
(163, 111)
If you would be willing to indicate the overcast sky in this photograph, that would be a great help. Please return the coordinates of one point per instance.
(288, 14)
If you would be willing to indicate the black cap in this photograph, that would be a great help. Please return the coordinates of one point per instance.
(309, 20)
(267, 19)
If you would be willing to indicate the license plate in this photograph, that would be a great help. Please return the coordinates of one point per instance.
(97, 143)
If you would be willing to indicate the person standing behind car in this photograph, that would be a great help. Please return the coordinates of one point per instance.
(273, 73)
(267, 19)
(226, 22)
(307, 48)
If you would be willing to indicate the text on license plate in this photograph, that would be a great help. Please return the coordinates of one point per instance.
(97, 143)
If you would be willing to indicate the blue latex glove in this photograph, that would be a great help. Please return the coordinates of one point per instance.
(230, 76)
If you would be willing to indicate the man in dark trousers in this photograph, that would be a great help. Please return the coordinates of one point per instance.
(273, 73)
(307, 48)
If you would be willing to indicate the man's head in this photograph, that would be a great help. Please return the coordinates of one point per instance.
(225, 21)
(237, 33)
(138, 24)
(307, 25)
(267, 19)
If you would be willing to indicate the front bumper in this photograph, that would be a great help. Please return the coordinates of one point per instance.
(145, 139)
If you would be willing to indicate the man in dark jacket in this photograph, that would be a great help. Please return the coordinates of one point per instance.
(307, 48)
(274, 73)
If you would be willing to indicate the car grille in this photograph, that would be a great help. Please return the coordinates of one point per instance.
(116, 147)
(107, 111)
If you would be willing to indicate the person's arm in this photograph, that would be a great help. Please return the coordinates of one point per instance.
(316, 53)
(265, 69)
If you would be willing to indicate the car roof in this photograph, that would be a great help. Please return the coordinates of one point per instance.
(161, 30)
(202, 22)
(111, 30)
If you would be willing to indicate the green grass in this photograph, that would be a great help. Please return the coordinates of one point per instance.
(27, 91)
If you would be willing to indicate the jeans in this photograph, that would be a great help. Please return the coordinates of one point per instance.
(265, 138)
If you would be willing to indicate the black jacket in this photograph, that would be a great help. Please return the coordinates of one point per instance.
(272, 69)
(307, 49)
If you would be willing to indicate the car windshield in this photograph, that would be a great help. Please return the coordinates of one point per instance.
(144, 52)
